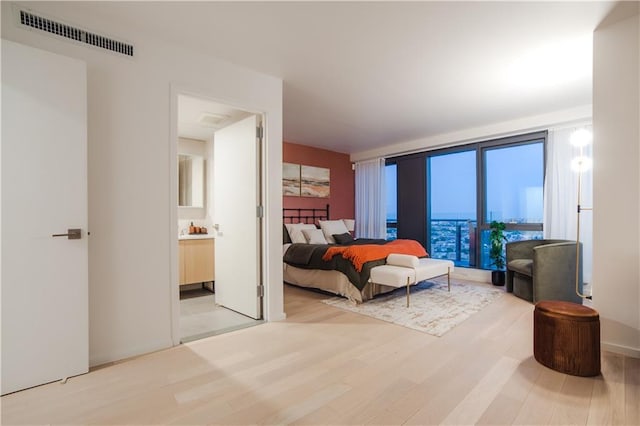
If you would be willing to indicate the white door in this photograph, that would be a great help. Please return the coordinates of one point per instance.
(236, 154)
(44, 283)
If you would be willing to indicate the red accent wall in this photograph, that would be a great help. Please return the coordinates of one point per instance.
(342, 186)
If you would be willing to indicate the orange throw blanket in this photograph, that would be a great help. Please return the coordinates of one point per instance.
(359, 255)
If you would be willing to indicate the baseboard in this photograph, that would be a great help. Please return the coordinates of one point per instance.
(277, 317)
(99, 361)
(620, 349)
(471, 274)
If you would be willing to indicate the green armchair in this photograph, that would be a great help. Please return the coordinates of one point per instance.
(543, 270)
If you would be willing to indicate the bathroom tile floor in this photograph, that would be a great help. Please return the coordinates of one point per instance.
(200, 317)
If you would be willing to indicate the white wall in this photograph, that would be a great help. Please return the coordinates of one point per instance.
(519, 126)
(616, 179)
(132, 199)
(192, 147)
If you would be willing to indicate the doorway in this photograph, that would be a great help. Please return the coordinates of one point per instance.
(219, 192)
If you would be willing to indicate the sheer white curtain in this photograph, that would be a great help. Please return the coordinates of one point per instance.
(561, 193)
(371, 219)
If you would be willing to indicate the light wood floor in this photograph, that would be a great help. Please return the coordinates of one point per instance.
(326, 366)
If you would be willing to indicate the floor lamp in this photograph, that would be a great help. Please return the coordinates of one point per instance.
(580, 138)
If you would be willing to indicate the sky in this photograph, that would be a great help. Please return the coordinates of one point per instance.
(514, 182)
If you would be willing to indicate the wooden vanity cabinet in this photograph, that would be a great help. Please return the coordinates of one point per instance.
(196, 261)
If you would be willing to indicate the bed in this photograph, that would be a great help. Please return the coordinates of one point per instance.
(338, 267)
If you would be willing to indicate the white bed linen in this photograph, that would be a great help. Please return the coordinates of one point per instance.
(332, 281)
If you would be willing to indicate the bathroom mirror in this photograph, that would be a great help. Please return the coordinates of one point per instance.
(190, 180)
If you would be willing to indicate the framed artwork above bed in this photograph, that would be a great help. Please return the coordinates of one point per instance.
(314, 181)
(305, 181)
(291, 179)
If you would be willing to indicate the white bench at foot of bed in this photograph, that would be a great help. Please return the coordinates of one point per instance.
(404, 270)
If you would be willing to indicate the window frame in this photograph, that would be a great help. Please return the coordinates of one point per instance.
(514, 141)
(439, 153)
(480, 148)
(483, 148)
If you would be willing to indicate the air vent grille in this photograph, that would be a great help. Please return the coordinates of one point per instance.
(77, 34)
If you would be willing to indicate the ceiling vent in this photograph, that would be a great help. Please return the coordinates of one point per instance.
(67, 31)
(212, 119)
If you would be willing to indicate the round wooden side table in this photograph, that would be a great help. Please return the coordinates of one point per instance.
(566, 337)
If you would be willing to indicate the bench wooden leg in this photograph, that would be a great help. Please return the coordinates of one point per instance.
(449, 279)
(408, 283)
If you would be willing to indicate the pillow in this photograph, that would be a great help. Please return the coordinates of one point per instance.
(406, 260)
(314, 236)
(331, 227)
(295, 231)
(345, 238)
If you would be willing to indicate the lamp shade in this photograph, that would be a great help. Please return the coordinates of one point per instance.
(581, 138)
(350, 224)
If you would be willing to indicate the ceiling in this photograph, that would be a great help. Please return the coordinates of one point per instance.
(361, 75)
(200, 118)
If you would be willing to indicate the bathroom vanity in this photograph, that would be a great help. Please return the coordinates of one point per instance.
(196, 259)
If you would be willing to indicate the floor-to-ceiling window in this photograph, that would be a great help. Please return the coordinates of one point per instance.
(467, 187)
(513, 180)
(451, 206)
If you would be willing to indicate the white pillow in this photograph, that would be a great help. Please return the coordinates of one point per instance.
(314, 236)
(406, 260)
(331, 227)
(295, 231)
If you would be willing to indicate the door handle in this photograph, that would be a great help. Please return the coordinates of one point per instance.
(72, 234)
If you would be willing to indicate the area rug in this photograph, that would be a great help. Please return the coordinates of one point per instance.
(433, 310)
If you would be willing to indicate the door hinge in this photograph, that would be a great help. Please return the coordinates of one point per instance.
(260, 211)
(260, 291)
(259, 132)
